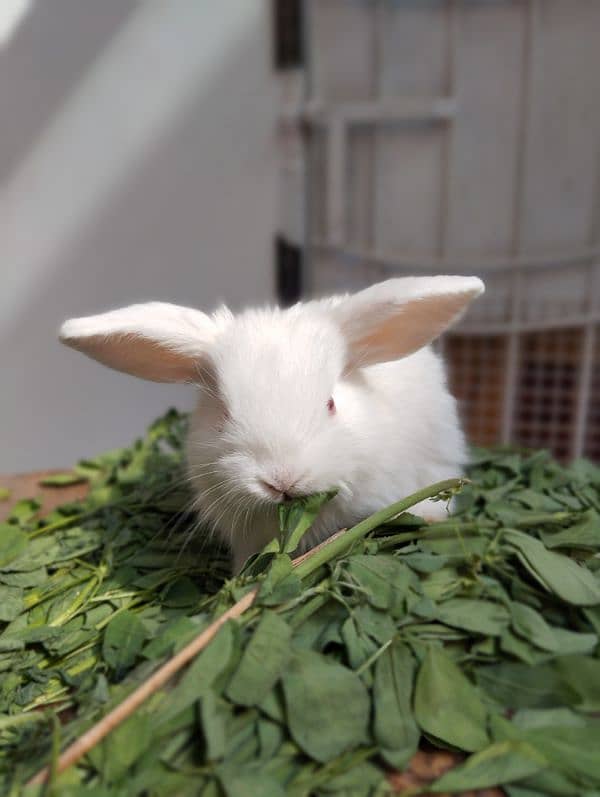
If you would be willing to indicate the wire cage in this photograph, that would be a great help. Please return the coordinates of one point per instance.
(462, 136)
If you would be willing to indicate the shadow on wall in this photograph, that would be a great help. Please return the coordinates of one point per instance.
(191, 222)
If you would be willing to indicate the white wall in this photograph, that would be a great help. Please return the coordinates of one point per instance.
(148, 170)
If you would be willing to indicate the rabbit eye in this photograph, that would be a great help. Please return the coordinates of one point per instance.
(331, 406)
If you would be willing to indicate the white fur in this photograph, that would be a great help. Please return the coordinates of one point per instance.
(265, 377)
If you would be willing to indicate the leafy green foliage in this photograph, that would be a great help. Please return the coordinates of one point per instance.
(395, 728)
(479, 634)
(316, 689)
(263, 661)
(123, 640)
(447, 705)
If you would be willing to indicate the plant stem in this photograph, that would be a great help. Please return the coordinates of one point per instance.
(342, 543)
(396, 539)
(373, 658)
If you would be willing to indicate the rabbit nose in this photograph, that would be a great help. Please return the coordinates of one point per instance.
(280, 487)
(272, 489)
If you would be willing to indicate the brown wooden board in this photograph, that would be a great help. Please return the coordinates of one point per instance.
(27, 485)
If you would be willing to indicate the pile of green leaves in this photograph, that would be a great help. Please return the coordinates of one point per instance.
(479, 634)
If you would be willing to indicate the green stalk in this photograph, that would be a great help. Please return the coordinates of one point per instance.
(309, 608)
(543, 518)
(345, 541)
(366, 665)
(456, 526)
(397, 539)
(70, 520)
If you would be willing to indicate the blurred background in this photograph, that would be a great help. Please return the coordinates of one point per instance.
(257, 150)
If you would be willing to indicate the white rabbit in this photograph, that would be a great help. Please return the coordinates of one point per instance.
(342, 392)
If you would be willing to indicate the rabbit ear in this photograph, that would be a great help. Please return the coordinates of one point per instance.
(395, 318)
(156, 341)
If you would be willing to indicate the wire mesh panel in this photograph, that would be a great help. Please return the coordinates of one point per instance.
(477, 366)
(547, 390)
(592, 438)
(463, 136)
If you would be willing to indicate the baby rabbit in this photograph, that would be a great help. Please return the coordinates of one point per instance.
(339, 393)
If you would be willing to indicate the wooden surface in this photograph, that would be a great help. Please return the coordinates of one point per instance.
(424, 768)
(27, 485)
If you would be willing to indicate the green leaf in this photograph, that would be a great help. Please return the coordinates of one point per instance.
(11, 603)
(32, 578)
(448, 705)
(584, 471)
(327, 706)
(213, 664)
(62, 480)
(280, 583)
(4, 493)
(549, 783)
(23, 511)
(262, 662)
(270, 735)
(425, 562)
(502, 762)
(571, 642)
(395, 728)
(172, 637)
(251, 784)
(585, 533)
(272, 706)
(322, 627)
(479, 616)
(10, 644)
(544, 717)
(572, 582)
(13, 543)
(582, 675)
(514, 685)
(455, 547)
(531, 626)
(215, 714)
(441, 584)
(117, 753)
(359, 646)
(384, 579)
(355, 780)
(181, 593)
(297, 516)
(536, 499)
(521, 649)
(123, 640)
(374, 622)
(571, 748)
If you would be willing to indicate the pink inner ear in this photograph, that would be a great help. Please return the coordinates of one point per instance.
(389, 331)
(136, 355)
